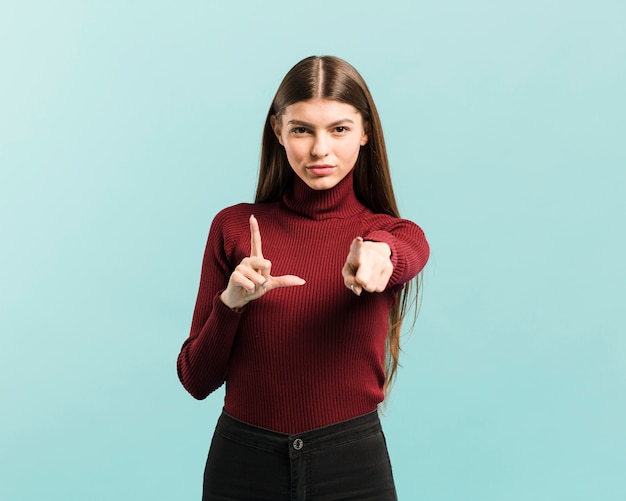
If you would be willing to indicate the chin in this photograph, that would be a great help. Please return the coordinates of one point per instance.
(322, 184)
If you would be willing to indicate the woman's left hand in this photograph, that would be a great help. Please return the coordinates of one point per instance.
(368, 266)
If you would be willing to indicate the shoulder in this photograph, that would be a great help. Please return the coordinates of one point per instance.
(385, 222)
(236, 218)
(233, 215)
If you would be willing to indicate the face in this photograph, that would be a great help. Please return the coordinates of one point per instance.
(322, 139)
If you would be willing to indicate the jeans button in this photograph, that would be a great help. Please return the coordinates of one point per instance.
(298, 444)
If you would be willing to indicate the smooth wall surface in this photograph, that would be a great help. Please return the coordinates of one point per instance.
(125, 126)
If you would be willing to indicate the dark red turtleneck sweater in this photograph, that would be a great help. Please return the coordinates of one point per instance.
(297, 358)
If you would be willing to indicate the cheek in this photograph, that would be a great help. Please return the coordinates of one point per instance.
(351, 151)
(295, 150)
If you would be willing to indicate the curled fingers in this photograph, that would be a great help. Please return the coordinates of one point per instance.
(252, 273)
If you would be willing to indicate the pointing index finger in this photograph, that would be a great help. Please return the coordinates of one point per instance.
(255, 238)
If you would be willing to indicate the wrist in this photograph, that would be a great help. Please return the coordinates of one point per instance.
(226, 301)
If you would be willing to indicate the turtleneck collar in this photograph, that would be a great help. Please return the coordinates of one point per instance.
(337, 202)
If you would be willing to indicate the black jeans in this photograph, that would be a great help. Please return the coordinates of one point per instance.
(343, 461)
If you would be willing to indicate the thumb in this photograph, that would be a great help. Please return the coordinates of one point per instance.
(285, 281)
(356, 245)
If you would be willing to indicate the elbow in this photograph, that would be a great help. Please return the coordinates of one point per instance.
(196, 388)
(201, 392)
(197, 394)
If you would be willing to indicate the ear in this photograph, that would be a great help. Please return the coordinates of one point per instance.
(365, 137)
(274, 122)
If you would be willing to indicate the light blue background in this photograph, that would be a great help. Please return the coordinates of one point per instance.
(125, 126)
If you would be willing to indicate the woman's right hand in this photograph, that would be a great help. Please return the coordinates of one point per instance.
(251, 278)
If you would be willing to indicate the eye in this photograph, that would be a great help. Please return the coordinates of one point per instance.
(341, 129)
(299, 130)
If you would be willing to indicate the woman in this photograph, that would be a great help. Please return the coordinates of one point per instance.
(301, 300)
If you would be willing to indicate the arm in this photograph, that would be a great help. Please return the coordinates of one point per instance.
(204, 357)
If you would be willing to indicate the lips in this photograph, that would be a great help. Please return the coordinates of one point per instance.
(320, 169)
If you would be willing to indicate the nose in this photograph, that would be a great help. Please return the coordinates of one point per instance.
(320, 146)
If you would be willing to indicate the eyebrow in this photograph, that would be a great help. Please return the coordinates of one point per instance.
(311, 126)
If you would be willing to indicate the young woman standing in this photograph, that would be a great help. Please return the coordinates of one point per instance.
(301, 300)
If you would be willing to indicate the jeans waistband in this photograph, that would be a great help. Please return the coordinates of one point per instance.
(308, 441)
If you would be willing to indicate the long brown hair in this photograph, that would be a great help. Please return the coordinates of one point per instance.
(329, 77)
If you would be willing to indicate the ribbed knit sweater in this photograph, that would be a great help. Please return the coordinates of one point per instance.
(297, 358)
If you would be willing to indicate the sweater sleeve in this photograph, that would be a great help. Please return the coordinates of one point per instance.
(203, 360)
(409, 248)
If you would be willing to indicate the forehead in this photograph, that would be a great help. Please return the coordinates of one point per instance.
(321, 111)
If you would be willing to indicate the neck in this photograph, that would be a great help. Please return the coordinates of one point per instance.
(339, 201)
